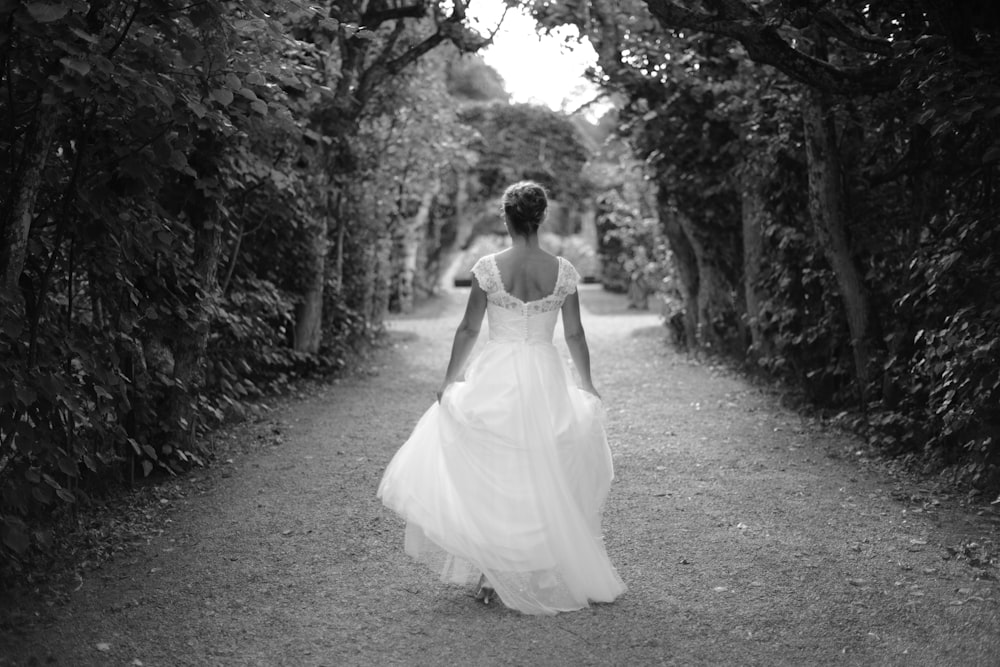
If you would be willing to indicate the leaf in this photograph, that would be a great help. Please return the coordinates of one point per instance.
(68, 466)
(86, 36)
(43, 494)
(13, 327)
(191, 51)
(259, 106)
(26, 395)
(992, 155)
(147, 468)
(80, 67)
(179, 161)
(198, 108)
(45, 12)
(14, 535)
(222, 96)
(43, 538)
(66, 495)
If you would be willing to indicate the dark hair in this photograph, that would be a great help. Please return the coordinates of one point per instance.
(524, 204)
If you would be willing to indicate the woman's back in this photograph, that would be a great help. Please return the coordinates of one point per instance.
(528, 274)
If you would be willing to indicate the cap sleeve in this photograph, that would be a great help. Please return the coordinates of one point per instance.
(568, 278)
(485, 276)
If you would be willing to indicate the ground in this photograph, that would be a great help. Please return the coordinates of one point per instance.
(746, 533)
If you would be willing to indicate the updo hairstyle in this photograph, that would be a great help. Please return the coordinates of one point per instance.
(524, 205)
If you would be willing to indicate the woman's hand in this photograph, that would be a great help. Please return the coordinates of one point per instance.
(444, 386)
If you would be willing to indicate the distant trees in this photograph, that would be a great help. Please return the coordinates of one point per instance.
(523, 141)
(829, 213)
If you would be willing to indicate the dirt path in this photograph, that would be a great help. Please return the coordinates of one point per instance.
(747, 536)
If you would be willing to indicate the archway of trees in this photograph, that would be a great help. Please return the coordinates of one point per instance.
(203, 202)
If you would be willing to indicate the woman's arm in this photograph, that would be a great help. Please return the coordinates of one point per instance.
(465, 335)
(576, 341)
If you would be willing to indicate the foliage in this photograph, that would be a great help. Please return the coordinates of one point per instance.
(174, 164)
(631, 247)
(574, 248)
(470, 78)
(137, 175)
(912, 112)
(523, 141)
(943, 383)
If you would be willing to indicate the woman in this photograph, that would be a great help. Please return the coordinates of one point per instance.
(504, 478)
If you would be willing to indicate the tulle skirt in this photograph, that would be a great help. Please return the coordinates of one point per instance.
(507, 477)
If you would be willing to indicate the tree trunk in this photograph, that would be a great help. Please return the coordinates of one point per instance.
(714, 297)
(827, 208)
(754, 213)
(687, 267)
(588, 224)
(17, 222)
(189, 348)
(464, 224)
(374, 298)
(406, 250)
(204, 213)
(309, 311)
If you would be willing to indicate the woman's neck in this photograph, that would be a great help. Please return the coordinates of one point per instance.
(524, 242)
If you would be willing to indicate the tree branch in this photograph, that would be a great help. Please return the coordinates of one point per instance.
(124, 33)
(831, 24)
(765, 45)
(451, 29)
(373, 18)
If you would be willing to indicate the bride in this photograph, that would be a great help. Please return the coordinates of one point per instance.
(503, 480)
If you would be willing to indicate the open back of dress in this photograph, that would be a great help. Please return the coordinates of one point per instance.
(508, 474)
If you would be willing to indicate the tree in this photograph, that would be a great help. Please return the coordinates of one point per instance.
(842, 187)
(471, 79)
(164, 171)
(368, 47)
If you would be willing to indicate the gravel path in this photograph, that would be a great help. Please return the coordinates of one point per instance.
(747, 536)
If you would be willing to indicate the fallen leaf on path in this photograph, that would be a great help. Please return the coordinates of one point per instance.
(103, 647)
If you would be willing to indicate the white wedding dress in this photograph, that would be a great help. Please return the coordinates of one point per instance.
(507, 475)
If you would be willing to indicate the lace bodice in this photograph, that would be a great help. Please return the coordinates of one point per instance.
(514, 320)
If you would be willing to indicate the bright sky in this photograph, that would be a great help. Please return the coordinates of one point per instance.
(538, 69)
